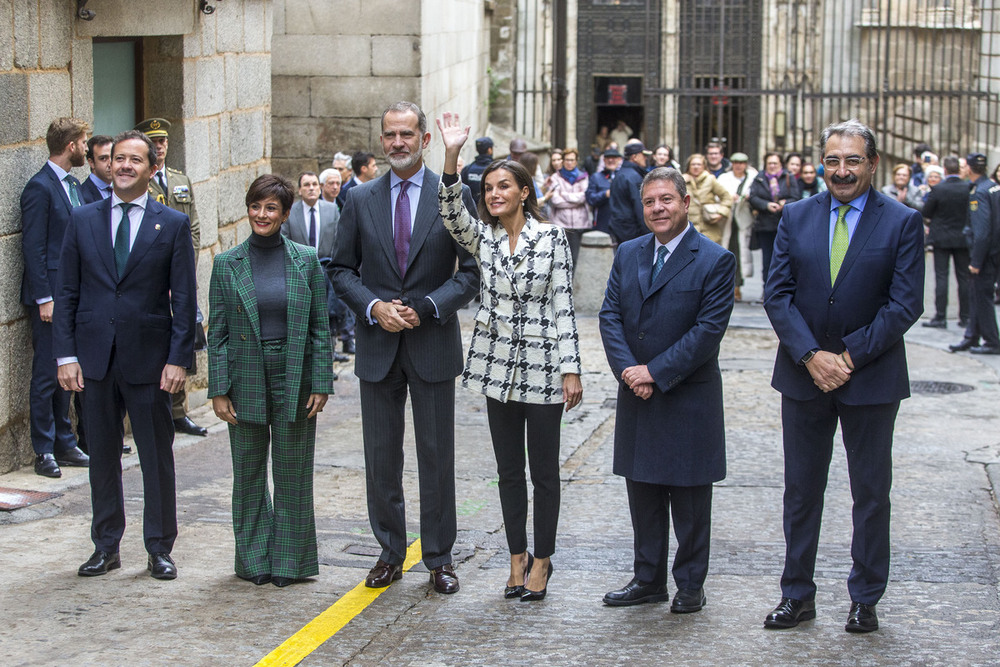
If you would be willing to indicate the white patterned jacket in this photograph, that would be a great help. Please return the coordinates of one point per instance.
(525, 337)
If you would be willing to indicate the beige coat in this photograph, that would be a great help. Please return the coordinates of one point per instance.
(710, 205)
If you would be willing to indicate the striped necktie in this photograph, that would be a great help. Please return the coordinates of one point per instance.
(840, 240)
(661, 258)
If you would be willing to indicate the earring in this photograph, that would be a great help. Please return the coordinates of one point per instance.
(522, 203)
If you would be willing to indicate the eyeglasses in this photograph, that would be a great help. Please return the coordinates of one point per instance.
(852, 162)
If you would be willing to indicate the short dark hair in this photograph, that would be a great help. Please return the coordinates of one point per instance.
(271, 185)
(306, 173)
(850, 128)
(665, 174)
(96, 141)
(360, 160)
(62, 132)
(135, 134)
(951, 164)
(920, 149)
(522, 178)
(403, 107)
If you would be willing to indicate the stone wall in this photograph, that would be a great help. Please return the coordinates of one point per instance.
(338, 63)
(213, 83)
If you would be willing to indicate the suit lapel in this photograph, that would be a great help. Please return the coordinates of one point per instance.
(380, 212)
(866, 225)
(682, 255)
(644, 269)
(428, 211)
(239, 264)
(297, 287)
(297, 223)
(57, 184)
(100, 225)
(821, 233)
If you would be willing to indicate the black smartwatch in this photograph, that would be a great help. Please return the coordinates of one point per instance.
(807, 357)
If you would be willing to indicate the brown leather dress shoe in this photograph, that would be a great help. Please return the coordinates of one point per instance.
(444, 579)
(383, 574)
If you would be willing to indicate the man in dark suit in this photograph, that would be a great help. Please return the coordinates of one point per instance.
(98, 184)
(666, 309)
(846, 283)
(124, 334)
(395, 267)
(984, 245)
(313, 221)
(599, 190)
(626, 208)
(46, 203)
(364, 169)
(947, 208)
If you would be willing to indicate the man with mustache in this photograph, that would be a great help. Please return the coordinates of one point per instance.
(394, 266)
(846, 283)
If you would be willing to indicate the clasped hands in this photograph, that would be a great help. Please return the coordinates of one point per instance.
(830, 371)
(639, 380)
(394, 316)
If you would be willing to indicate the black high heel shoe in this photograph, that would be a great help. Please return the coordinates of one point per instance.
(533, 596)
(511, 592)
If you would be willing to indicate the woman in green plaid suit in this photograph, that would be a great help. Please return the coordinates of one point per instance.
(269, 374)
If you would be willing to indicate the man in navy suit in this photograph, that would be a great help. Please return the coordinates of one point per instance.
(124, 333)
(846, 283)
(666, 309)
(46, 203)
(98, 184)
(395, 266)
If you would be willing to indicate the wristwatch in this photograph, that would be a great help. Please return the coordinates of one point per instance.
(807, 357)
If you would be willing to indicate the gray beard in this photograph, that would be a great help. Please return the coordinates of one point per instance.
(402, 164)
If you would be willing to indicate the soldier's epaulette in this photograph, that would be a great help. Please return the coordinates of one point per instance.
(175, 171)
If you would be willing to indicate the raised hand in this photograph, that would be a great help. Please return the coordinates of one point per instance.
(453, 134)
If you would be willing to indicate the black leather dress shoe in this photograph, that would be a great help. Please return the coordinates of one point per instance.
(100, 563)
(340, 358)
(46, 466)
(966, 344)
(185, 425)
(979, 349)
(636, 592)
(126, 449)
(161, 566)
(73, 458)
(259, 580)
(790, 613)
(936, 324)
(383, 574)
(444, 579)
(688, 600)
(349, 347)
(862, 618)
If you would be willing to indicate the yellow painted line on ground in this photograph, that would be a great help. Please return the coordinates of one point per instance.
(329, 623)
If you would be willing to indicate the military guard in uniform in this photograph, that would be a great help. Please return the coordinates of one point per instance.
(172, 188)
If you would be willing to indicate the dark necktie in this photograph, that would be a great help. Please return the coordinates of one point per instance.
(840, 240)
(402, 225)
(661, 257)
(122, 238)
(106, 191)
(162, 181)
(74, 195)
(312, 227)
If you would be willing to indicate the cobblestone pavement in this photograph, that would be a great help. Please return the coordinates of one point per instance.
(941, 607)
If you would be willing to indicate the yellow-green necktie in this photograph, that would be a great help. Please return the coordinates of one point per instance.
(840, 240)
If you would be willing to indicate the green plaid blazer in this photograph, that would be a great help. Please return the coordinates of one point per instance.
(235, 357)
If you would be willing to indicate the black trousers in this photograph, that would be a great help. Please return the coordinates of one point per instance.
(105, 403)
(942, 256)
(651, 506)
(983, 316)
(807, 429)
(509, 422)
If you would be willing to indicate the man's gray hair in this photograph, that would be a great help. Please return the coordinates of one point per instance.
(850, 128)
(403, 107)
(327, 173)
(665, 174)
(342, 157)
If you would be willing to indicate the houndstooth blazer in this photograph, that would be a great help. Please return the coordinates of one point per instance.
(525, 336)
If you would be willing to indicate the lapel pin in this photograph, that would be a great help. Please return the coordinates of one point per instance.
(157, 228)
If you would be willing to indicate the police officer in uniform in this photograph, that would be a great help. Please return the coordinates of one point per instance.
(172, 188)
(473, 173)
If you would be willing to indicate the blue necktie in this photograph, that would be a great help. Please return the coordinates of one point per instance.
(661, 258)
(122, 238)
